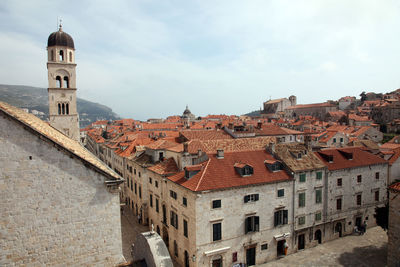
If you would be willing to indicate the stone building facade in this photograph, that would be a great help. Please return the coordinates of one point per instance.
(318, 110)
(59, 203)
(393, 257)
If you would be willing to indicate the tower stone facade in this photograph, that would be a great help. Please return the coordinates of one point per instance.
(61, 70)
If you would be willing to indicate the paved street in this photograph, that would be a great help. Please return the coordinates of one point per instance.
(366, 250)
(130, 228)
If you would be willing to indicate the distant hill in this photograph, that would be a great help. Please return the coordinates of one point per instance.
(36, 100)
(255, 113)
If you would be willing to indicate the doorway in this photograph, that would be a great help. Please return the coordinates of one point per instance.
(301, 242)
(251, 256)
(318, 236)
(217, 262)
(165, 236)
(280, 248)
(338, 229)
(358, 222)
(186, 259)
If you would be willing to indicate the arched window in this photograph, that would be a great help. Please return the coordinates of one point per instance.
(67, 108)
(61, 55)
(66, 82)
(59, 108)
(63, 108)
(58, 81)
(52, 55)
(70, 56)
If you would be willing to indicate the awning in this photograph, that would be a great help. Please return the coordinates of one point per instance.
(216, 251)
(281, 236)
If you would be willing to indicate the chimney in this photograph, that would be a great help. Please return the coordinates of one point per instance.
(307, 142)
(220, 153)
(271, 148)
(199, 152)
(259, 125)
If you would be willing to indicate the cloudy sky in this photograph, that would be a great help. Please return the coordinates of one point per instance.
(148, 59)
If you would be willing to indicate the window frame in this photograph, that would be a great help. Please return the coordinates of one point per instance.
(302, 177)
(216, 231)
(302, 200)
(318, 195)
(282, 190)
(216, 204)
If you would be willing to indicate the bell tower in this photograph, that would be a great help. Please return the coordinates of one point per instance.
(61, 71)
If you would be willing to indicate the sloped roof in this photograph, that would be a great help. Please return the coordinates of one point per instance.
(205, 135)
(395, 187)
(360, 158)
(165, 167)
(217, 174)
(308, 161)
(57, 137)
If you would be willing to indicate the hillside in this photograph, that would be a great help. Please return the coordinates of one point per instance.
(36, 100)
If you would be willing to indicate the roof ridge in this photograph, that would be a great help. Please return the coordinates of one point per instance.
(202, 175)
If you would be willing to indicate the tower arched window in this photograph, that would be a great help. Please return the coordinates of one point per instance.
(63, 108)
(67, 108)
(52, 55)
(61, 55)
(70, 56)
(58, 81)
(66, 82)
(59, 108)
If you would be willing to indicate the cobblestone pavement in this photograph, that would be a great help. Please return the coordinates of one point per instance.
(130, 228)
(365, 250)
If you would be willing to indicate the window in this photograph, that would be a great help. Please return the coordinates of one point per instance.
(140, 175)
(134, 171)
(175, 248)
(377, 195)
(264, 246)
(341, 139)
(252, 224)
(216, 204)
(334, 140)
(302, 220)
(251, 198)
(359, 178)
(339, 182)
(318, 216)
(131, 186)
(151, 200)
(70, 56)
(302, 177)
(135, 188)
(217, 231)
(61, 55)
(150, 180)
(281, 192)
(185, 228)
(319, 175)
(377, 175)
(359, 200)
(127, 182)
(172, 194)
(174, 219)
(339, 204)
(161, 156)
(156, 183)
(302, 199)
(66, 82)
(318, 195)
(157, 209)
(58, 82)
(280, 217)
(184, 201)
(140, 191)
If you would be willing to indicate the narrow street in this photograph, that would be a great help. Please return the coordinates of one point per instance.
(355, 250)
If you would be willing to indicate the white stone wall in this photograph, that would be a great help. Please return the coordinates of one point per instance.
(55, 211)
(232, 215)
(348, 191)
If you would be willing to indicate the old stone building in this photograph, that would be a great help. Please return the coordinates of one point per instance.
(59, 203)
(393, 257)
(318, 110)
(356, 183)
(63, 114)
(275, 108)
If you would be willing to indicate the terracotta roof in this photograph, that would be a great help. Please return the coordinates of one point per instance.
(161, 144)
(359, 158)
(288, 152)
(205, 135)
(165, 167)
(57, 137)
(395, 187)
(274, 101)
(220, 173)
(269, 129)
(316, 105)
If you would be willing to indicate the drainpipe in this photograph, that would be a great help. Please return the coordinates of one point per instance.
(293, 208)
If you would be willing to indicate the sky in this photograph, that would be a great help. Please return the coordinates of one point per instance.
(149, 59)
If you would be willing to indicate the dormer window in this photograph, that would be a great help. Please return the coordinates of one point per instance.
(191, 171)
(273, 165)
(243, 169)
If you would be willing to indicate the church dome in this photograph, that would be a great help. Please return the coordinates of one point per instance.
(187, 111)
(60, 38)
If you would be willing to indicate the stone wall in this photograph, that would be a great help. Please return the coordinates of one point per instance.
(54, 210)
(393, 258)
